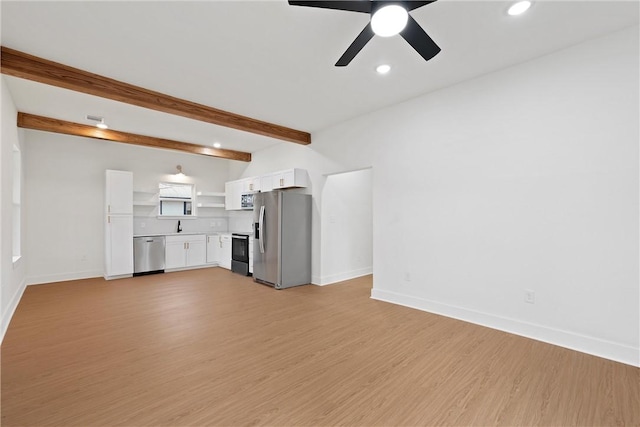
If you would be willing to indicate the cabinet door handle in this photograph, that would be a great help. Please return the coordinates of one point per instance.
(281, 182)
(108, 208)
(108, 219)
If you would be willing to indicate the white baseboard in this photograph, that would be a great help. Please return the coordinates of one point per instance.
(585, 344)
(341, 277)
(11, 309)
(51, 278)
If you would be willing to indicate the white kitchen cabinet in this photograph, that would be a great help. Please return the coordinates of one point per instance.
(289, 178)
(185, 251)
(119, 246)
(214, 249)
(118, 223)
(233, 195)
(119, 192)
(266, 182)
(225, 250)
(197, 252)
(251, 185)
(174, 253)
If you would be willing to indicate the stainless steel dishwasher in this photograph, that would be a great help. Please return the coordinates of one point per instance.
(148, 255)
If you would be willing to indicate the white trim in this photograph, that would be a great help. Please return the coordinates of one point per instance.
(51, 278)
(11, 309)
(585, 344)
(341, 277)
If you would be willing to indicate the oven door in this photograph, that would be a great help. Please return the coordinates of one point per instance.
(240, 248)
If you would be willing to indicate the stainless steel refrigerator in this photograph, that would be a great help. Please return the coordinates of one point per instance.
(282, 239)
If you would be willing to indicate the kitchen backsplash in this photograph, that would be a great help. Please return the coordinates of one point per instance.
(240, 221)
(146, 225)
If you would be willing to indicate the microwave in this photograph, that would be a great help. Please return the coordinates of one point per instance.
(246, 201)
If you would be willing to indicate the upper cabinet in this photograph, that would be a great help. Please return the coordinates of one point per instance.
(119, 192)
(233, 193)
(251, 185)
(289, 178)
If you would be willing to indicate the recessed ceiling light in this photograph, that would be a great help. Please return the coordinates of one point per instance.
(217, 145)
(383, 69)
(519, 8)
(389, 20)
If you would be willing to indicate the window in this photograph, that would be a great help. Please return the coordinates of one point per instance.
(175, 199)
(16, 198)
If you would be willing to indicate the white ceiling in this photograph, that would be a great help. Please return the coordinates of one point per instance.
(272, 61)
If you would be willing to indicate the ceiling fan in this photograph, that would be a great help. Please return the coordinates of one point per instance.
(388, 18)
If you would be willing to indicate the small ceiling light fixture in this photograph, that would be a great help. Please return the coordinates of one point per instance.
(519, 8)
(217, 145)
(383, 69)
(101, 124)
(179, 169)
(389, 20)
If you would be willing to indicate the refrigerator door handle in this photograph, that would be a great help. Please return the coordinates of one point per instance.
(261, 225)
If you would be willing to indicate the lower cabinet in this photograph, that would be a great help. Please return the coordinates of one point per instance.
(185, 251)
(214, 249)
(118, 246)
(225, 251)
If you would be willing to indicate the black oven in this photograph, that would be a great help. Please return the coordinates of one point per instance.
(240, 253)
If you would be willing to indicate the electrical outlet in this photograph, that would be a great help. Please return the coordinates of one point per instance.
(212, 224)
(529, 296)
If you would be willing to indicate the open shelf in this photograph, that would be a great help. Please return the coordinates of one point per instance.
(210, 194)
(210, 205)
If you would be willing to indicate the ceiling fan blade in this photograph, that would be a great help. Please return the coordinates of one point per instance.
(411, 5)
(356, 46)
(419, 40)
(363, 6)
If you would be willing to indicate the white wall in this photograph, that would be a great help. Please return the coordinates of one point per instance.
(346, 226)
(64, 189)
(12, 274)
(526, 178)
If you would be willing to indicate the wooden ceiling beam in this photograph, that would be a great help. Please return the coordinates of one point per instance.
(30, 121)
(20, 64)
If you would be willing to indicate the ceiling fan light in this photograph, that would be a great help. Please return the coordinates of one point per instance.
(519, 8)
(389, 20)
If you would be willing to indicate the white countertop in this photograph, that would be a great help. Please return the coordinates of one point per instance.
(190, 233)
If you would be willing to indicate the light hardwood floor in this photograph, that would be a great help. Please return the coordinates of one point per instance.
(208, 347)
